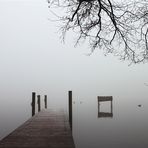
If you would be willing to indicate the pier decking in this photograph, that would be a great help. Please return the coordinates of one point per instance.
(47, 129)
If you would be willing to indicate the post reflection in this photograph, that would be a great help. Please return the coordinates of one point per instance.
(104, 99)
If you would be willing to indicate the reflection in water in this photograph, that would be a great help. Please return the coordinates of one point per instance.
(98, 124)
(104, 99)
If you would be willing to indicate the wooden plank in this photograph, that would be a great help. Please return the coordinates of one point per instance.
(104, 114)
(47, 129)
(105, 98)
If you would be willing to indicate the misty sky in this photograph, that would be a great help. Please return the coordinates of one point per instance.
(33, 58)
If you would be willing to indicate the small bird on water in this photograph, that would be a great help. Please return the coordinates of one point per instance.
(139, 105)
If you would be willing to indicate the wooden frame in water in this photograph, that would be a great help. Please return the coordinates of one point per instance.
(104, 99)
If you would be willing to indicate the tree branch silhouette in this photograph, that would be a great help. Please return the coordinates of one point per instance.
(115, 27)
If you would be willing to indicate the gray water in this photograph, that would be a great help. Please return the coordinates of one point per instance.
(32, 58)
(127, 127)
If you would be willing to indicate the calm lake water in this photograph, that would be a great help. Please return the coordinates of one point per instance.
(32, 58)
(126, 127)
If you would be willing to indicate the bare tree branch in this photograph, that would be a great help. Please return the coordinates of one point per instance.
(116, 27)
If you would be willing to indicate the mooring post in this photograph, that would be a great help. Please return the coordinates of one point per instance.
(45, 100)
(39, 103)
(70, 108)
(33, 103)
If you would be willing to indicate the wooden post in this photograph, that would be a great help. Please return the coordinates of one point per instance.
(98, 106)
(39, 103)
(112, 106)
(45, 100)
(70, 108)
(33, 103)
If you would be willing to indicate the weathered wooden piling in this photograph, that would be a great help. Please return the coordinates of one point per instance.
(39, 103)
(45, 100)
(33, 103)
(70, 108)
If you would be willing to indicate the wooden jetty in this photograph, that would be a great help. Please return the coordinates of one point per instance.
(46, 129)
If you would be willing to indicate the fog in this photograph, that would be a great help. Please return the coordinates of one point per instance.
(33, 58)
